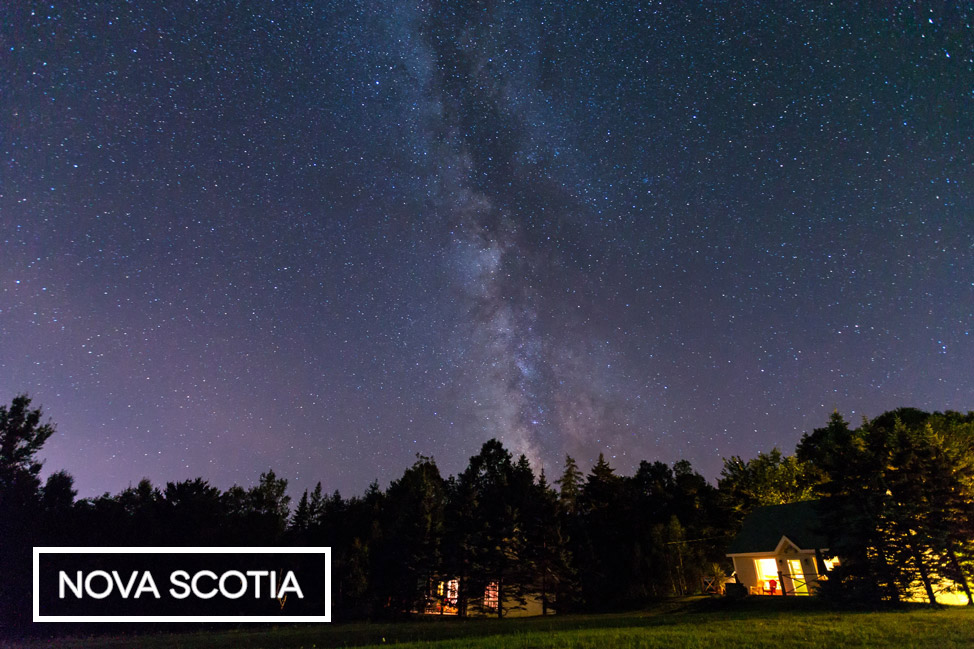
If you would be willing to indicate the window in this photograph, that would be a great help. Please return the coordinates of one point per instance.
(798, 583)
(490, 596)
(452, 592)
(443, 597)
(767, 572)
(767, 569)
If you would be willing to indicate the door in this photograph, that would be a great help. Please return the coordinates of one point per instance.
(798, 584)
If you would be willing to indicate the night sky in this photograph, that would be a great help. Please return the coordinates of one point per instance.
(322, 237)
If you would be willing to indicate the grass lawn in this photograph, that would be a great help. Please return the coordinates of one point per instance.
(688, 623)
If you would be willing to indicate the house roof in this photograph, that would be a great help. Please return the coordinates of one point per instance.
(763, 528)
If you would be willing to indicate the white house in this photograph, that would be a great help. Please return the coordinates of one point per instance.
(780, 550)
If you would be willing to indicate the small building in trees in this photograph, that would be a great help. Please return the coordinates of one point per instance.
(782, 550)
(443, 598)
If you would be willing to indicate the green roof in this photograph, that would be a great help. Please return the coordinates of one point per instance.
(763, 528)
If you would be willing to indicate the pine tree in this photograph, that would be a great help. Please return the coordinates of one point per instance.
(408, 556)
(301, 519)
(605, 542)
(570, 484)
(497, 540)
(268, 507)
(553, 577)
(316, 508)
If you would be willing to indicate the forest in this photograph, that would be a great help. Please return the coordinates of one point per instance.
(899, 488)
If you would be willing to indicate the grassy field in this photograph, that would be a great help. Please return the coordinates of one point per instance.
(690, 623)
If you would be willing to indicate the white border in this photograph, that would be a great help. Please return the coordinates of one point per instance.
(38, 551)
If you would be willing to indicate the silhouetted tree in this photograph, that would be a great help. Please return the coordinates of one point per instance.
(570, 485)
(497, 539)
(192, 513)
(603, 543)
(316, 507)
(407, 558)
(268, 510)
(301, 519)
(21, 437)
(461, 533)
(552, 575)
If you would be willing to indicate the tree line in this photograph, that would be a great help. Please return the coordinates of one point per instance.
(900, 488)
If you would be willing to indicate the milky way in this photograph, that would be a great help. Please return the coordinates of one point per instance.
(324, 237)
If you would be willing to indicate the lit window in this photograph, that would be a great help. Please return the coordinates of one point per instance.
(767, 569)
(490, 596)
(767, 573)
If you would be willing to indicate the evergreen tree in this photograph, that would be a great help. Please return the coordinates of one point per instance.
(408, 558)
(930, 505)
(316, 508)
(268, 508)
(856, 512)
(570, 484)
(497, 539)
(899, 503)
(461, 533)
(952, 434)
(301, 519)
(547, 550)
(605, 544)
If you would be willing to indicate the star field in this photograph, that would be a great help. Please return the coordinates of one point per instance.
(322, 237)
